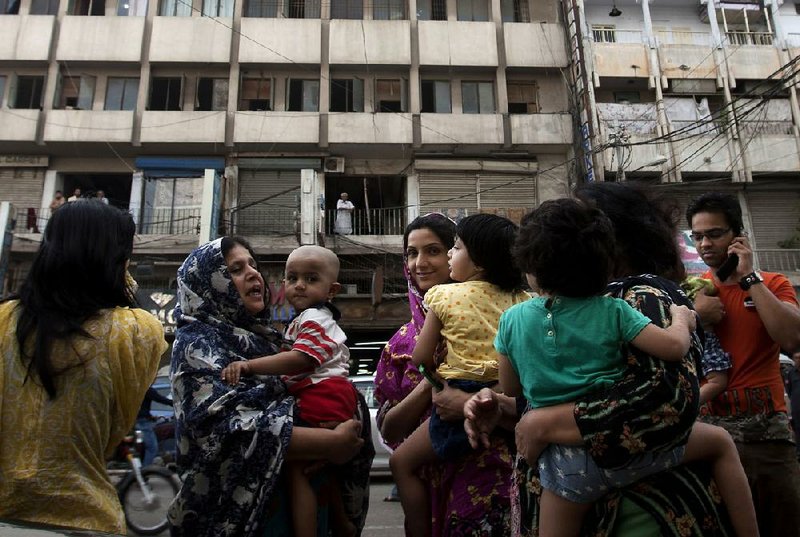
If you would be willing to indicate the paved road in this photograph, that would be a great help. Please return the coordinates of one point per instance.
(384, 519)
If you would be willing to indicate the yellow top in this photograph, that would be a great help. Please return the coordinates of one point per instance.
(53, 453)
(470, 312)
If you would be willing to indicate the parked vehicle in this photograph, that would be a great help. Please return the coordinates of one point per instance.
(145, 493)
(380, 464)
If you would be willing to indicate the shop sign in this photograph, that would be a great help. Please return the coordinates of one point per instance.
(23, 161)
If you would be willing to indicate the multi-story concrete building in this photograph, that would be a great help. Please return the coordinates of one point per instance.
(212, 117)
(698, 96)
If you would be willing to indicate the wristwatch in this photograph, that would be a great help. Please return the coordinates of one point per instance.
(750, 280)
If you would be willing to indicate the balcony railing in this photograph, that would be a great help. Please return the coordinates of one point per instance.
(169, 221)
(32, 220)
(260, 220)
(616, 35)
(761, 127)
(749, 38)
(369, 222)
(680, 37)
(778, 260)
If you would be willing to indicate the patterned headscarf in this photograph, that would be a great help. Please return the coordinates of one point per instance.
(231, 439)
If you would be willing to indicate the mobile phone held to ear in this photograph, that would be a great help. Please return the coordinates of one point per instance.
(727, 268)
(430, 378)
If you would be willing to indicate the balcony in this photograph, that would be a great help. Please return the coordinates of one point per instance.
(620, 53)
(26, 37)
(276, 127)
(281, 41)
(88, 126)
(101, 39)
(262, 220)
(183, 127)
(191, 39)
(371, 221)
(635, 118)
(17, 124)
(538, 129)
(379, 43)
(535, 45)
(778, 260)
(461, 128)
(752, 61)
(749, 38)
(602, 34)
(169, 221)
(457, 43)
(369, 128)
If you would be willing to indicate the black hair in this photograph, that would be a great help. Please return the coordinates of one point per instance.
(439, 224)
(568, 246)
(228, 243)
(79, 270)
(489, 239)
(717, 202)
(645, 228)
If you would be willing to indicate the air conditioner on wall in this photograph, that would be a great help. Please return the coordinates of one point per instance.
(333, 165)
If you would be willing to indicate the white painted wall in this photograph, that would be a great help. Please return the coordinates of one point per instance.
(108, 39)
(25, 37)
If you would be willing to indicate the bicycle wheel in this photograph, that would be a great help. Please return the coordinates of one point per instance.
(143, 517)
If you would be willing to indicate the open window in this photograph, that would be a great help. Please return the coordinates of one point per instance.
(87, 7)
(255, 94)
(303, 95)
(436, 96)
(75, 92)
(477, 98)
(212, 94)
(121, 93)
(347, 95)
(391, 95)
(165, 93)
(28, 92)
(301, 9)
(522, 97)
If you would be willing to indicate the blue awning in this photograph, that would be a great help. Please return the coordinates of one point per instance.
(178, 166)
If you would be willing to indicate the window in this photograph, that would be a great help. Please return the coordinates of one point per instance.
(432, 10)
(522, 97)
(132, 8)
(28, 92)
(301, 9)
(171, 205)
(256, 94)
(603, 33)
(390, 95)
(121, 93)
(473, 10)
(212, 94)
(515, 11)
(347, 9)
(436, 96)
(303, 95)
(347, 95)
(76, 92)
(217, 8)
(394, 10)
(165, 93)
(261, 8)
(9, 7)
(477, 98)
(627, 97)
(2, 89)
(175, 8)
(44, 7)
(87, 7)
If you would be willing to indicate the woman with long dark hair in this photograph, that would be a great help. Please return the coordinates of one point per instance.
(77, 358)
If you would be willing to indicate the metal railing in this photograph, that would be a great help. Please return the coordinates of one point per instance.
(169, 221)
(32, 220)
(616, 35)
(778, 260)
(260, 220)
(749, 38)
(682, 37)
(368, 222)
(761, 127)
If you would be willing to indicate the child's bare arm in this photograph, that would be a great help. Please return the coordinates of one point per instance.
(427, 341)
(716, 383)
(670, 344)
(283, 363)
(509, 380)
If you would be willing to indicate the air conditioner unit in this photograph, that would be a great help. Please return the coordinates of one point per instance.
(333, 165)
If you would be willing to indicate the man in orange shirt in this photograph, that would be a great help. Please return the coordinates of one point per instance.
(754, 315)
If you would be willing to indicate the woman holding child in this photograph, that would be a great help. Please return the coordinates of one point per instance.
(233, 440)
(469, 496)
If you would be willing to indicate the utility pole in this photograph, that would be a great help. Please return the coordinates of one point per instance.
(619, 139)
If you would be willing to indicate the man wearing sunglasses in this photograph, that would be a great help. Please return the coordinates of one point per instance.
(755, 315)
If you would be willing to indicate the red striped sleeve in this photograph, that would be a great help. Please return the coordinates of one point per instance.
(313, 341)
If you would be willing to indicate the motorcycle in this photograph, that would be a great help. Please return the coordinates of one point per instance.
(144, 492)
